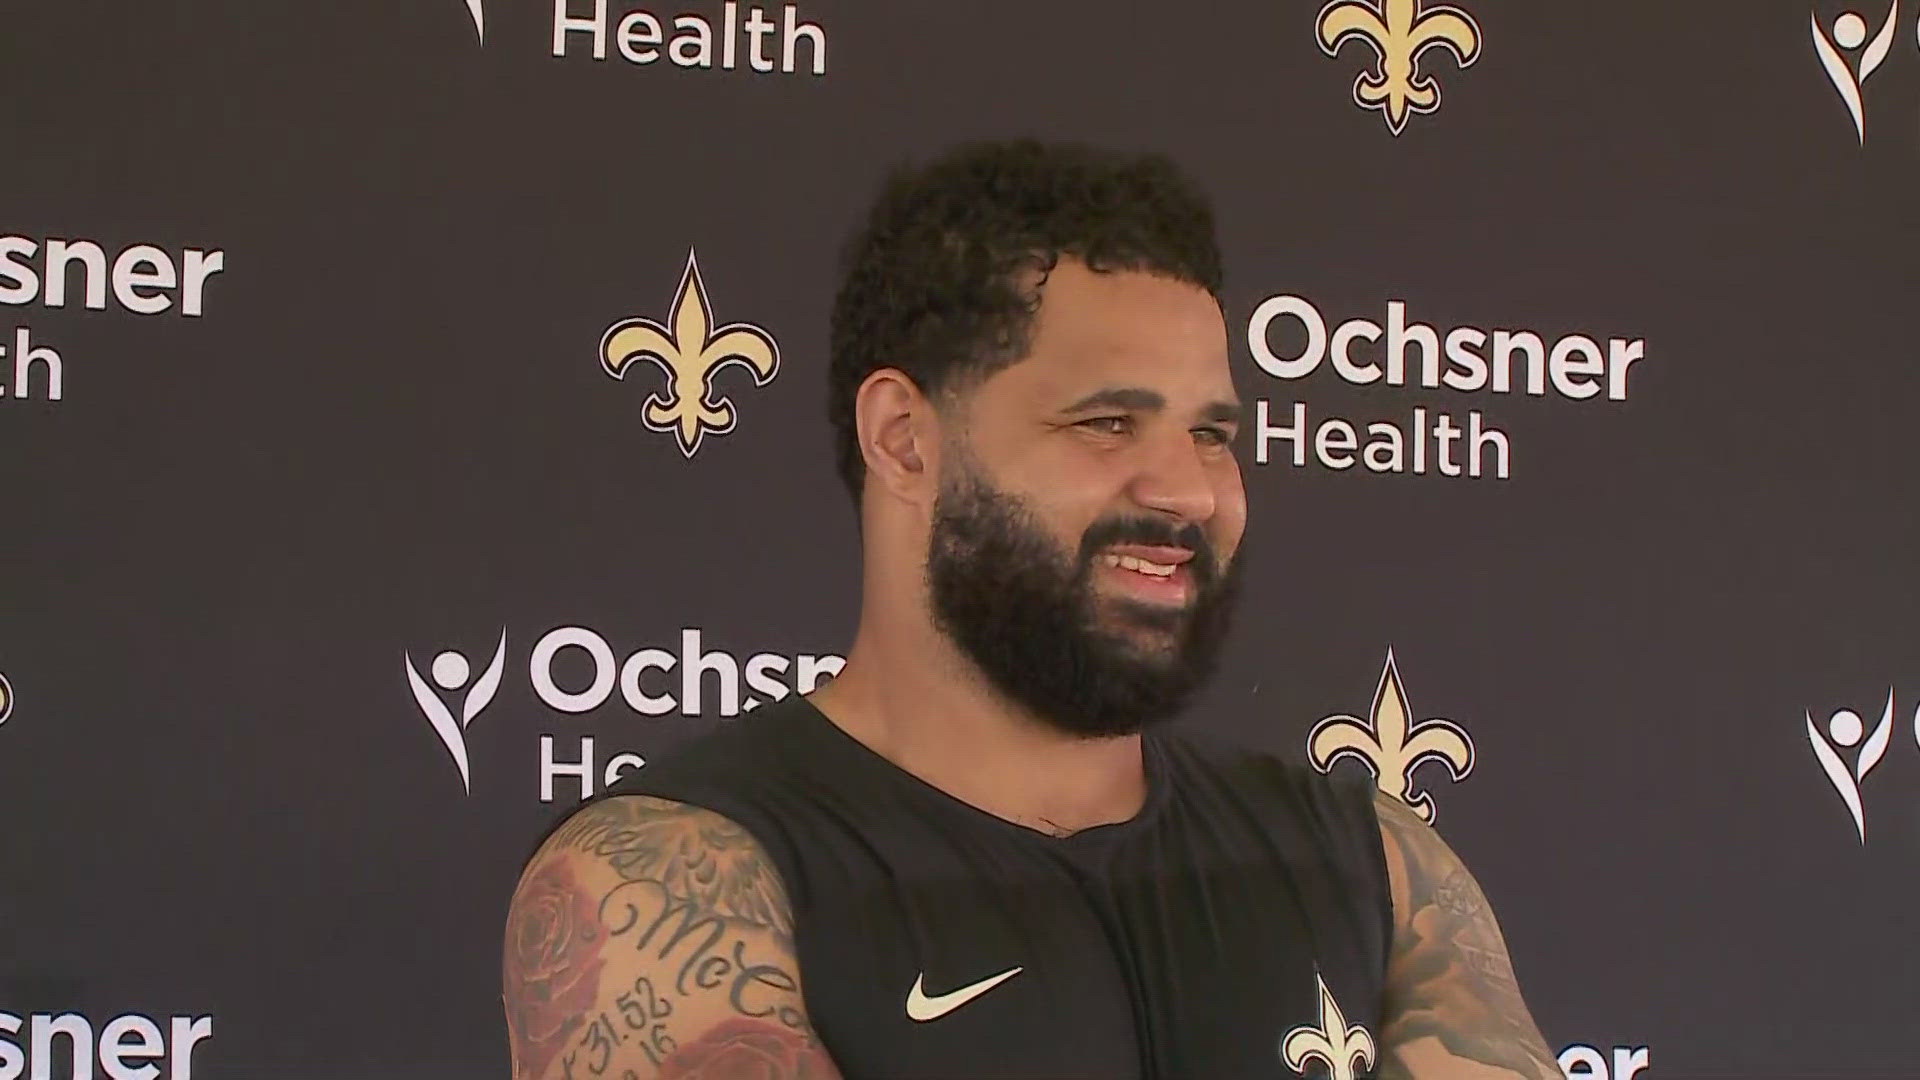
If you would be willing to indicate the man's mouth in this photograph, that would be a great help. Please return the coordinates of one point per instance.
(1156, 575)
(1131, 562)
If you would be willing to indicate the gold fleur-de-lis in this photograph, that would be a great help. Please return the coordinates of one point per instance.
(689, 354)
(1399, 31)
(1345, 1049)
(6, 699)
(1389, 746)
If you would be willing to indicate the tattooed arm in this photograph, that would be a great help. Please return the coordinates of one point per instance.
(1454, 1010)
(651, 940)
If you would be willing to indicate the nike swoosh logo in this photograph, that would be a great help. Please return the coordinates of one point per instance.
(923, 1008)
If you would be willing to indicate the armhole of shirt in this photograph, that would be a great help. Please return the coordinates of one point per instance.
(1377, 844)
(1360, 791)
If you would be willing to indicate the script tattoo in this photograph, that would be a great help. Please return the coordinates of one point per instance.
(688, 899)
(696, 857)
(1449, 975)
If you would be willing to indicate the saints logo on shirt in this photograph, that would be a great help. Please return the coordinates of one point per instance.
(1345, 1050)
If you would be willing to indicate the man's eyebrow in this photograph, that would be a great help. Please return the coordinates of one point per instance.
(1135, 398)
(1141, 399)
(1222, 412)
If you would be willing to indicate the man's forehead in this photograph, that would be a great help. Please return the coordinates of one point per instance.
(1061, 371)
(1078, 303)
(1095, 331)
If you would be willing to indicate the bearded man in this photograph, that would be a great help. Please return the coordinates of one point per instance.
(978, 852)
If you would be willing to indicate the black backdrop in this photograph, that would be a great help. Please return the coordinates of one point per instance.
(1680, 633)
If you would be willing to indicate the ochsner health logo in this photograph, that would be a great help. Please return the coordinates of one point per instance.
(1847, 730)
(132, 1046)
(59, 275)
(1849, 72)
(450, 671)
(1290, 338)
(573, 670)
(731, 39)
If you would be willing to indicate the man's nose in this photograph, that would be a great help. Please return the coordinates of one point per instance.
(1174, 480)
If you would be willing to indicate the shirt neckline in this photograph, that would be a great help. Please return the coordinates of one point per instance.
(1091, 840)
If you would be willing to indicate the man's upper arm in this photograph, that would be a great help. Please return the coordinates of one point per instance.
(651, 939)
(1453, 1009)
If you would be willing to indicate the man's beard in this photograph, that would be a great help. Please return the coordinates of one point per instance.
(1026, 612)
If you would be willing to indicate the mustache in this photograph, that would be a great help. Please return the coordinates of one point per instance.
(1109, 531)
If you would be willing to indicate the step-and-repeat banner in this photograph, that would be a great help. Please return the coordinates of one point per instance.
(339, 556)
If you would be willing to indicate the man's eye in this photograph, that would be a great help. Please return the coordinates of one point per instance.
(1214, 436)
(1109, 425)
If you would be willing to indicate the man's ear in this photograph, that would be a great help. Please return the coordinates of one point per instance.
(898, 433)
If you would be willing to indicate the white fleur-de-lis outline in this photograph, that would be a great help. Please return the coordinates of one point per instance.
(1391, 745)
(1398, 32)
(479, 19)
(479, 696)
(1844, 80)
(690, 353)
(1345, 1049)
(1847, 781)
(6, 699)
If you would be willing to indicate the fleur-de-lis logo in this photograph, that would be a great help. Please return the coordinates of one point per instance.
(6, 699)
(690, 354)
(479, 19)
(1390, 747)
(1399, 31)
(1345, 1049)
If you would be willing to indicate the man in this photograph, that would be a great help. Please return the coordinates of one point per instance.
(974, 854)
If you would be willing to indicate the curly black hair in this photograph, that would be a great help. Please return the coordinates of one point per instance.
(941, 282)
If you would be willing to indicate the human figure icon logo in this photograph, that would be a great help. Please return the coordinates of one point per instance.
(1849, 38)
(1847, 730)
(450, 671)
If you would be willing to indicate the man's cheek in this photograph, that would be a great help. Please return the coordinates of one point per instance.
(1232, 522)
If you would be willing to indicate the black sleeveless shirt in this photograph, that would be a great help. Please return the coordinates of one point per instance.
(1188, 942)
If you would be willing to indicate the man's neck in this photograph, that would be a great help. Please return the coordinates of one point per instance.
(910, 696)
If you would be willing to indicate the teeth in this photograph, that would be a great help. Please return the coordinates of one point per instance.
(1128, 562)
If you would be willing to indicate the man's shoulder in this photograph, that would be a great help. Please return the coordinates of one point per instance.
(767, 739)
(717, 776)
